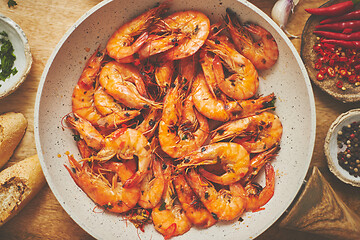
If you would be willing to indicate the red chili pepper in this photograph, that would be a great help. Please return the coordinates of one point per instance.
(318, 65)
(137, 62)
(335, 57)
(343, 71)
(352, 79)
(347, 31)
(358, 78)
(340, 26)
(328, 46)
(357, 68)
(334, 10)
(320, 76)
(322, 71)
(343, 43)
(340, 36)
(349, 16)
(317, 47)
(343, 59)
(330, 71)
(325, 58)
(339, 84)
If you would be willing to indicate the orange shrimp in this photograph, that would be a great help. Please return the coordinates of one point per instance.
(175, 140)
(114, 114)
(223, 204)
(213, 72)
(83, 94)
(233, 158)
(220, 110)
(87, 131)
(257, 197)
(256, 133)
(243, 82)
(163, 75)
(258, 161)
(152, 186)
(111, 196)
(187, 69)
(263, 53)
(194, 26)
(230, 204)
(84, 150)
(150, 123)
(256, 164)
(118, 81)
(127, 143)
(130, 37)
(155, 44)
(168, 217)
(193, 207)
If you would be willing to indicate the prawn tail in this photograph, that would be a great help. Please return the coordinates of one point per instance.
(171, 231)
(255, 202)
(135, 179)
(268, 192)
(104, 154)
(140, 41)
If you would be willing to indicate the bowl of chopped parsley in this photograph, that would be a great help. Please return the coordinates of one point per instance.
(15, 56)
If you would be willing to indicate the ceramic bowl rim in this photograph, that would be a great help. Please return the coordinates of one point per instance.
(28, 56)
(333, 166)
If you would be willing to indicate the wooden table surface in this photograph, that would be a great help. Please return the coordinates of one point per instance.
(45, 22)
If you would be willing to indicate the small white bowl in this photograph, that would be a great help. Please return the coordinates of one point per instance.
(22, 52)
(331, 147)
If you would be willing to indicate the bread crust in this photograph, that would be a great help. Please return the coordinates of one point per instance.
(12, 130)
(18, 185)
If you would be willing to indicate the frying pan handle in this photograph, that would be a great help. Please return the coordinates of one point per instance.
(319, 210)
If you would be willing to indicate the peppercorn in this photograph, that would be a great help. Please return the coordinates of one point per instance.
(349, 158)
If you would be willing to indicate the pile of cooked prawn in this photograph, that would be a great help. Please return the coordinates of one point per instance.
(169, 124)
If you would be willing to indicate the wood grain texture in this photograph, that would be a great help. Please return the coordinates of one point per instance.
(45, 22)
(321, 211)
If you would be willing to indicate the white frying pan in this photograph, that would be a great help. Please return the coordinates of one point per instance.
(287, 79)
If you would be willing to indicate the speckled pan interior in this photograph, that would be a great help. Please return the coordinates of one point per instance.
(287, 79)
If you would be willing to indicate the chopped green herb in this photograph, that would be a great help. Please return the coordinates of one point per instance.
(76, 137)
(7, 57)
(162, 206)
(11, 3)
(215, 216)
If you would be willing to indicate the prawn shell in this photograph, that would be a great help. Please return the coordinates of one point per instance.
(192, 205)
(113, 198)
(191, 23)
